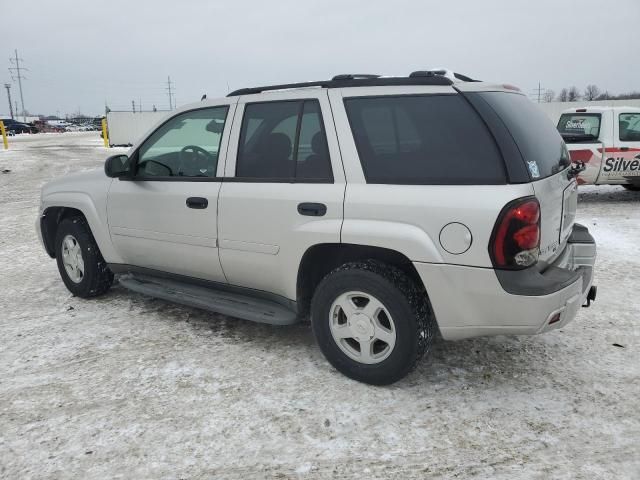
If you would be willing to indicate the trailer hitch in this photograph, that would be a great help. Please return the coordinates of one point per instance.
(591, 296)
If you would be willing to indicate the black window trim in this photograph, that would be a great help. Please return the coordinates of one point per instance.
(301, 101)
(584, 114)
(134, 157)
(392, 181)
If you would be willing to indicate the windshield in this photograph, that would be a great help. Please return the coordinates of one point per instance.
(579, 127)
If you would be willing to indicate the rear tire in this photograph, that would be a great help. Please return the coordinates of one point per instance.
(377, 348)
(80, 263)
(632, 187)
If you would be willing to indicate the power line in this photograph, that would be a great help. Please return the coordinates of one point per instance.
(16, 61)
(168, 89)
(8, 87)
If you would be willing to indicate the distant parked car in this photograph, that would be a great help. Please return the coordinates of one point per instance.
(606, 142)
(18, 127)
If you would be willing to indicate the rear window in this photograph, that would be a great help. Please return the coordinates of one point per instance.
(540, 144)
(579, 127)
(423, 139)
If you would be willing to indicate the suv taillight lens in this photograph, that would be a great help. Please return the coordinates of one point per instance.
(515, 242)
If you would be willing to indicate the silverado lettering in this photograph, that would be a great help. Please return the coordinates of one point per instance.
(621, 164)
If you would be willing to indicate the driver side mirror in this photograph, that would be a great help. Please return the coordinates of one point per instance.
(116, 166)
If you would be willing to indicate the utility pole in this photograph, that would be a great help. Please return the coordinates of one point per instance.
(538, 92)
(133, 105)
(168, 89)
(8, 87)
(16, 61)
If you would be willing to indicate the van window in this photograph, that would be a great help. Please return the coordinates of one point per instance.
(629, 124)
(579, 127)
(423, 139)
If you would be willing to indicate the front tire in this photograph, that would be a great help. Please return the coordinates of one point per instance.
(80, 263)
(371, 321)
(633, 187)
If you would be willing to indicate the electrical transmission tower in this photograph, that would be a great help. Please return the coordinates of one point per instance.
(17, 75)
(8, 87)
(537, 92)
(171, 95)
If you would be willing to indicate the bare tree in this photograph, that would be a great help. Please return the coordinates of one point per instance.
(574, 94)
(563, 96)
(591, 92)
(604, 96)
(548, 95)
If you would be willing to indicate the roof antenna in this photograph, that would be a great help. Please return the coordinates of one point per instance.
(204, 97)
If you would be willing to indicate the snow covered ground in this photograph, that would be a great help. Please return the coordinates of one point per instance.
(127, 386)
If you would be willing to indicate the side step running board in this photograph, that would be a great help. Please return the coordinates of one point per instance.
(227, 303)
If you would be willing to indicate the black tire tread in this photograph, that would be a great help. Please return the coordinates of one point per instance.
(102, 278)
(415, 295)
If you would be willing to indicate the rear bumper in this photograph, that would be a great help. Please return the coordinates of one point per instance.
(472, 301)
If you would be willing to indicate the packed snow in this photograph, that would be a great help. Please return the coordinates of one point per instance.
(126, 386)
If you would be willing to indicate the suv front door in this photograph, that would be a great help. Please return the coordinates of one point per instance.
(165, 216)
(283, 190)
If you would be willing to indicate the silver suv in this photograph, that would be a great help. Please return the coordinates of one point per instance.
(385, 208)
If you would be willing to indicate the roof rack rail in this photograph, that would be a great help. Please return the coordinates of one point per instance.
(350, 80)
(353, 76)
(442, 72)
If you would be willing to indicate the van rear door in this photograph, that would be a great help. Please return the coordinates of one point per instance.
(623, 160)
(581, 132)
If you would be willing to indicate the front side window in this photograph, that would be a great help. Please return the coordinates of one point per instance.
(423, 139)
(629, 124)
(185, 146)
(283, 141)
(579, 127)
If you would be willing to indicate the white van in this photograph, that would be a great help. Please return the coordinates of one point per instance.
(607, 141)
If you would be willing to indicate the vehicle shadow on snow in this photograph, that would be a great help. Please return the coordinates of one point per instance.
(483, 362)
(607, 194)
(231, 329)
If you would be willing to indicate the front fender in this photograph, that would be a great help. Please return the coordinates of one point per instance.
(96, 217)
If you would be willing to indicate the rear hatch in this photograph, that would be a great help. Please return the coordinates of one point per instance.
(534, 142)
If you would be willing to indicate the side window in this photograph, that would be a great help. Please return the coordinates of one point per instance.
(185, 146)
(313, 153)
(283, 141)
(425, 139)
(629, 124)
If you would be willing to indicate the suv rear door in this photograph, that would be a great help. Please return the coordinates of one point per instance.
(283, 189)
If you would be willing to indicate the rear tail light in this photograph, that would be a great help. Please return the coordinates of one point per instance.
(515, 242)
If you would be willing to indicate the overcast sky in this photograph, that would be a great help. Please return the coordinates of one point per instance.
(81, 54)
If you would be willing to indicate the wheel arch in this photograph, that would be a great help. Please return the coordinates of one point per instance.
(49, 222)
(320, 259)
(57, 207)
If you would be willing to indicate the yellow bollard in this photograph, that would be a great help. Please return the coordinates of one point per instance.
(3, 131)
(105, 136)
